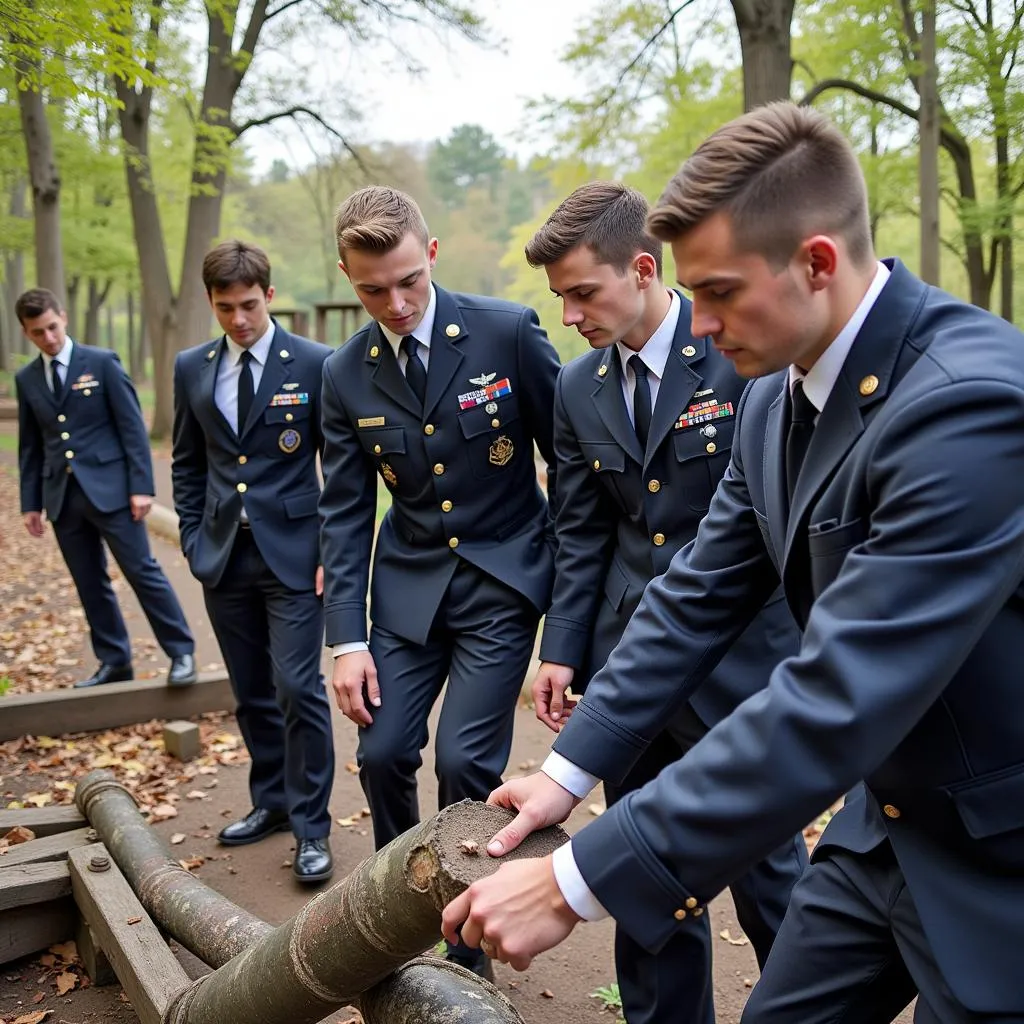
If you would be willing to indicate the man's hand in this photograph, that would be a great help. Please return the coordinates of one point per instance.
(512, 915)
(351, 673)
(140, 506)
(549, 701)
(318, 585)
(540, 802)
(33, 523)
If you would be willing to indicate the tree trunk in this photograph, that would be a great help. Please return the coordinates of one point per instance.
(765, 35)
(135, 363)
(111, 339)
(928, 157)
(71, 306)
(14, 278)
(96, 297)
(45, 180)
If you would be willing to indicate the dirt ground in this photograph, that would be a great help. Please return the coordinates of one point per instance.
(556, 990)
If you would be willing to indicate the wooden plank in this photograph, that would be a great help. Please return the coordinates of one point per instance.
(111, 705)
(44, 821)
(97, 966)
(25, 884)
(25, 930)
(144, 964)
(48, 848)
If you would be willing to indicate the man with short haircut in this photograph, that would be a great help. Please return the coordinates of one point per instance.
(246, 438)
(444, 396)
(643, 431)
(84, 458)
(877, 470)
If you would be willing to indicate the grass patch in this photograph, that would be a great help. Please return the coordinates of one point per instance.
(610, 1000)
(8, 442)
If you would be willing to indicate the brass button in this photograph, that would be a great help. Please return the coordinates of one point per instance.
(698, 911)
(284, 353)
(453, 543)
(69, 454)
(428, 429)
(679, 914)
(602, 370)
(691, 903)
(241, 488)
(659, 539)
(869, 385)
(689, 351)
(65, 436)
(711, 447)
(890, 811)
(654, 486)
(495, 422)
(376, 449)
(242, 460)
(446, 505)
(374, 352)
(597, 463)
(288, 417)
(61, 418)
(438, 468)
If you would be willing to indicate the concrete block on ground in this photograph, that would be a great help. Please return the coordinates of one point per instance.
(181, 739)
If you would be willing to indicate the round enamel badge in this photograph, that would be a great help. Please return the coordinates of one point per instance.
(289, 440)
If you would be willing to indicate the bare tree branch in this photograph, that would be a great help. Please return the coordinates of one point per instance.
(280, 10)
(257, 122)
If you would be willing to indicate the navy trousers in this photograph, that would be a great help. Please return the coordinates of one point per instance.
(271, 638)
(81, 529)
(676, 984)
(481, 641)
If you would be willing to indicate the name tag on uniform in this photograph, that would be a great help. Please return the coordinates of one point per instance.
(371, 421)
(284, 398)
(498, 389)
(704, 412)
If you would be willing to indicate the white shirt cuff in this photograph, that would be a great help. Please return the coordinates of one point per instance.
(568, 776)
(575, 890)
(350, 648)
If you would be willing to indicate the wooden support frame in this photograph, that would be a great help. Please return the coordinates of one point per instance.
(142, 960)
(27, 884)
(44, 821)
(48, 848)
(111, 705)
(30, 928)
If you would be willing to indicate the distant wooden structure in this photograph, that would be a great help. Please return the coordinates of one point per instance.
(296, 320)
(352, 316)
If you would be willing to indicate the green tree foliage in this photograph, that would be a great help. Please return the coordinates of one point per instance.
(469, 159)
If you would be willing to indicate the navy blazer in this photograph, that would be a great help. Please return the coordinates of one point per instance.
(95, 432)
(461, 471)
(272, 463)
(903, 556)
(623, 512)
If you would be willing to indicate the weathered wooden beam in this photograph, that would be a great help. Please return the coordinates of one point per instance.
(28, 929)
(111, 705)
(48, 848)
(24, 884)
(44, 821)
(144, 964)
(95, 961)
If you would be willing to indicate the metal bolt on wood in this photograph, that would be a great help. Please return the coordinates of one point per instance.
(99, 863)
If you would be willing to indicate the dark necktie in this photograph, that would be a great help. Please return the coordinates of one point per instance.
(415, 371)
(641, 400)
(58, 387)
(798, 439)
(246, 390)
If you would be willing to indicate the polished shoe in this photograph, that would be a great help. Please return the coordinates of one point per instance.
(480, 965)
(106, 674)
(256, 825)
(183, 671)
(313, 861)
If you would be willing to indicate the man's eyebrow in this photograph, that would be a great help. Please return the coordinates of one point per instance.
(573, 288)
(708, 282)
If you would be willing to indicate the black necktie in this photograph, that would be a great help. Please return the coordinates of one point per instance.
(246, 390)
(798, 439)
(58, 387)
(415, 371)
(641, 400)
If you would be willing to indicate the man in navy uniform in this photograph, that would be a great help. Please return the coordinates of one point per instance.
(84, 458)
(878, 471)
(443, 395)
(643, 431)
(246, 438)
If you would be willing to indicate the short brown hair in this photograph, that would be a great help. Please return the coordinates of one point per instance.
(780, 172)
(35, 302)
(375, 219)
(235, 262)
(607, 217)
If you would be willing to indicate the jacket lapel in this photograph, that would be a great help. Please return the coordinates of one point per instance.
(678, 384)
(385, 372)
(208, 374)
(274, 373)
(77, 365)
(446, 353)
(611, 406)
(774, 471)
(39, 375)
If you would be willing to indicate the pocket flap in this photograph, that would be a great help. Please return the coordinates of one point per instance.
(690, 443)
(299, 505)
(383, 440)
(616, 584)
(604, 456)
(991, 804)
(286, 413)
(478, 420)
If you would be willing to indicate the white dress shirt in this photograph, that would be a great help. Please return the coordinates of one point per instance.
(63, 357)
(654, 354)
(818, 384)
(230, 370)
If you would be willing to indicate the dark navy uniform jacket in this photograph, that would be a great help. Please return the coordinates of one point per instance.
(461, 470)
(271, 466)
(95, 431)
(623, 513)
(903, 559)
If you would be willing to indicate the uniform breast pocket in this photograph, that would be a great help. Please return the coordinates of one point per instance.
(702, 454)
(292, 426)
(829, 542)
(387, 446)
(494, 438)
(607, 460)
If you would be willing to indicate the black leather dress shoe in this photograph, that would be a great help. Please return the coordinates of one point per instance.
(313, 861)
(480, 965)
(183, 671)
(106, 674)
(256, 825)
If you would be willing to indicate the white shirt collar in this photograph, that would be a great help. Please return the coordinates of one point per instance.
(822, 376)
(63, 356)
(260, 349)
(424, 329)
(657, 347)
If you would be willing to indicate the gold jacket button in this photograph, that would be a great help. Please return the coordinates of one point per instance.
(654, 486)
(428, 429)
(61, 418)
(890, 811)
(495, 422)
(242, 460)
(679, 914)
(446, 505)
(689, 350)
(376, 449)
(597, 463)
(697, 912)
(711, 447)
(241, 488)
(288, 417)
(374, 352)
(438, 468)
(691, 902)
(659, 539)
(65, 436)
(69, 454)
(453, 543)
(869, 385)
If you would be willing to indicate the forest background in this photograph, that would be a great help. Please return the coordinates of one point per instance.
(129, 142)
